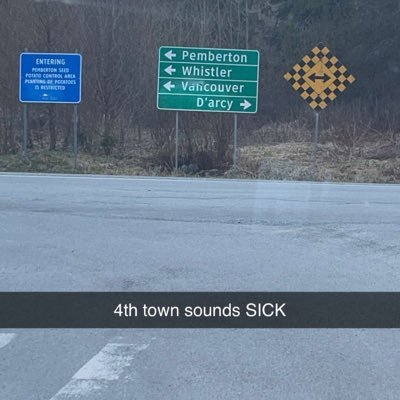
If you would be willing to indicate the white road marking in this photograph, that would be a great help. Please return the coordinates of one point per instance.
(171, 179)
(110, 177)
(106, 366)
(6, 338)
(89, 177)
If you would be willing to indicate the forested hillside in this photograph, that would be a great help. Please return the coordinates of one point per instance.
(119, 41)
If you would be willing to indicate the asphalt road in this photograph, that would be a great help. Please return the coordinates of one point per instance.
(72, 233)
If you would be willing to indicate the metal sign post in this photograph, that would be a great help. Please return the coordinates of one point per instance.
(315, 143)
(234, 145)
(176, 141)
(75, 150)
(26, 132)
(26, 129)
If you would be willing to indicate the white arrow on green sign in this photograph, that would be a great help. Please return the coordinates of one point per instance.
(203, 79)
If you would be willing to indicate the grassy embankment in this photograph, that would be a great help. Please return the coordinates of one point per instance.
(286, 161)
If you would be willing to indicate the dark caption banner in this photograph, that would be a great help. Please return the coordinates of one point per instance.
(199, 310)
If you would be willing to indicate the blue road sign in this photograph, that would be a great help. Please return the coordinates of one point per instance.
(50, 78)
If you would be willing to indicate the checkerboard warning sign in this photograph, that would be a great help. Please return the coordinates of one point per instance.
(319, 77)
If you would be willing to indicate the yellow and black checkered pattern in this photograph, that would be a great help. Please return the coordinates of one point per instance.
(319, 77)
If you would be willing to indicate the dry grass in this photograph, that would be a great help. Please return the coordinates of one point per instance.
(291, 161)
(62, 162)
(285, 161)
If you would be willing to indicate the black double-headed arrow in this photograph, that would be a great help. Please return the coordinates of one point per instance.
(314, 77)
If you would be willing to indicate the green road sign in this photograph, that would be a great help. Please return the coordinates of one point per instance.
(201, 79)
